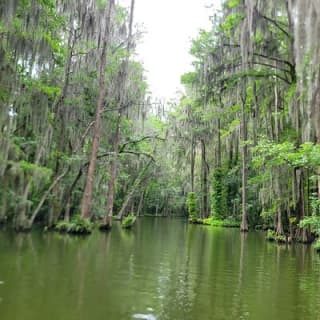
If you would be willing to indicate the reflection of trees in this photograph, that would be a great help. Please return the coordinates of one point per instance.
(238, 302)
(175, 283)
(178, 271)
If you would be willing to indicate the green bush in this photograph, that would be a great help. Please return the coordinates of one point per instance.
(128, 221)
(77, 225)
(271, 235)
(317, 245)
(219, 195)
(192, 207)
(62, 226)
(226, 223)
(312, 222)
(281, 238)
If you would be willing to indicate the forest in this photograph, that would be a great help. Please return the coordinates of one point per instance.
(82, 142)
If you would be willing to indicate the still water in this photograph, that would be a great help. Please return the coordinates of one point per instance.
(162, 269)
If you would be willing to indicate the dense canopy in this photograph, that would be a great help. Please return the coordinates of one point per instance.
(81, 140)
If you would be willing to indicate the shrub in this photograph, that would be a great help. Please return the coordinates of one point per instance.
(128, 221)
(281, 239)
(317, 245)
(226, 223)
(219, 195)
(192, 207)
(312, 222)
(77, 225)
(271, 235)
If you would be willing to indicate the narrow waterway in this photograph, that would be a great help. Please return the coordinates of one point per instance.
(162, 269)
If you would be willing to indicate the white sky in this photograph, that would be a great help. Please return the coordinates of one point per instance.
(170, 25)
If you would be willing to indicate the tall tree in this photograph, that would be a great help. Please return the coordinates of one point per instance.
(123, 100)
(87, 195)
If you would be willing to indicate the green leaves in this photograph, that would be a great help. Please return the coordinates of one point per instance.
(202, 45)
(128, 221)
(276, 154)
(77, 225)
(31, 168)
(231, 22)
(313, 222)
(192, 206)
(232, 3)
(233, 125)
(219, 194)
(189, 78)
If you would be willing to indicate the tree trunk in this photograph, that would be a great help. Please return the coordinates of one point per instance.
(87, 195)
(132, 192)
(44, 197)
(204, 181)
(114, 163)
(302, 234)
(111, 183)
(55, 207)
(317, 125)
(140, 203)
(193, 160)
(244, 222)
(22, 220)
(218, 155)
(279, 228)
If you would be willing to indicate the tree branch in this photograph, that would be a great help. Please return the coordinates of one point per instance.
(275, 23)
(134, 142)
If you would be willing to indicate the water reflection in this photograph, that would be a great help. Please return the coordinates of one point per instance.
(162, 269)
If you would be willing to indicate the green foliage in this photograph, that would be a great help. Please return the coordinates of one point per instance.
(128, 221)
(202, 44)
(275, 154)
(273, 236)
(49, 86)
(281, 238)
(192, 207)
(231, 22)
(226, 223)
(30, 168)
(189, 78)
(77, 225)
(312, 222)
(259, 38)
(315, 201)
(317, 245)
(232, 126)
(219, 195)
(232, 3)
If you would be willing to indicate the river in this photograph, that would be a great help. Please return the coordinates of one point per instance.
(162, 269)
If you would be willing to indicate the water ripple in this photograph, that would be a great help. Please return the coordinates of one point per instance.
(144, 316)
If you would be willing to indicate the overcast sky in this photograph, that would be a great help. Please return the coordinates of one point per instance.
(170, 25)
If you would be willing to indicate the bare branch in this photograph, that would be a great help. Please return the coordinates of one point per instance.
(140, 140)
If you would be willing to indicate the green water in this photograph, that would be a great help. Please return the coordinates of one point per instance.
(162, 269)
